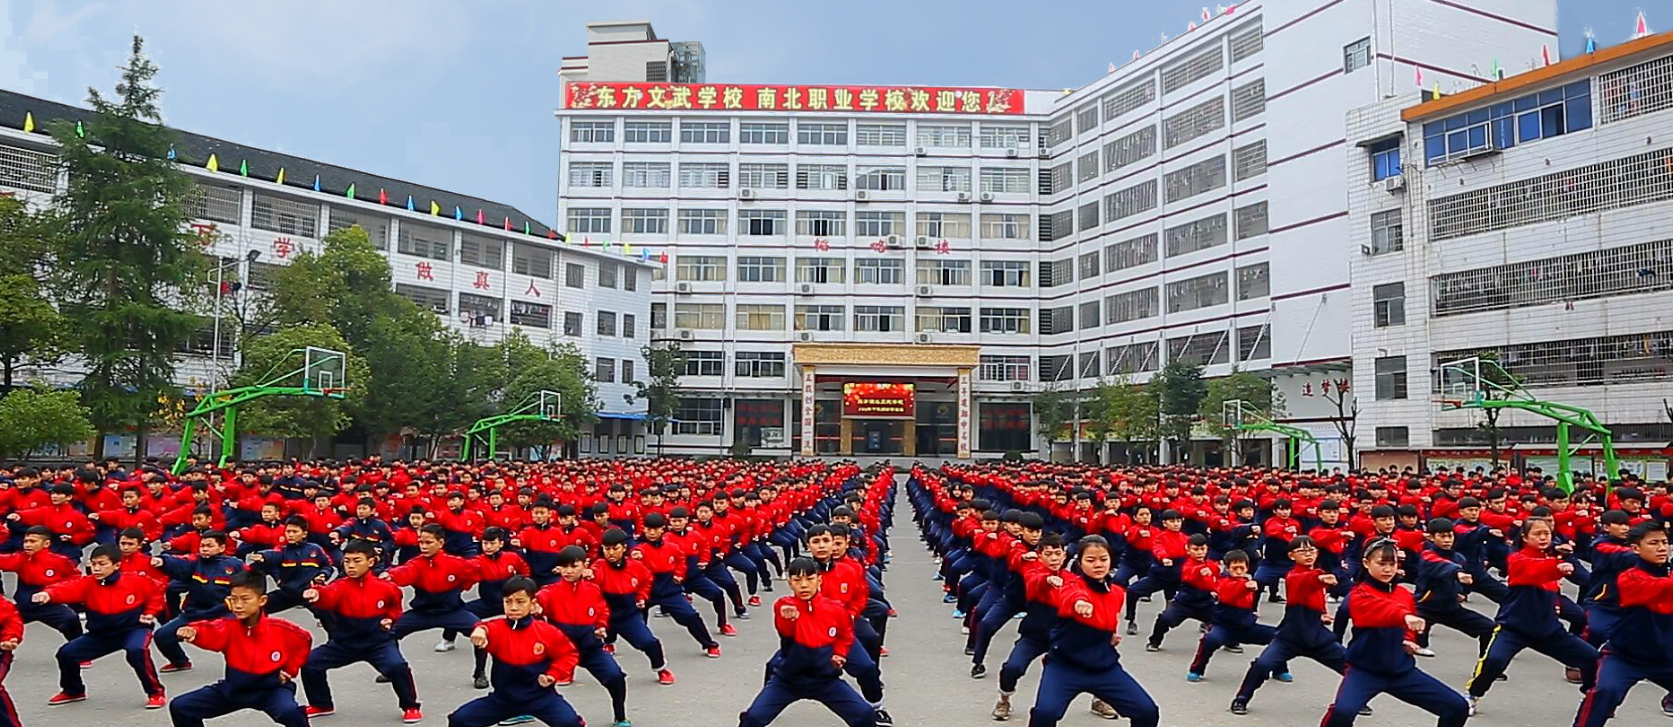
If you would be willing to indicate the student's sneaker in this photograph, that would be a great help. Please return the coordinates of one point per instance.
(713, 652)
(1193, 677)
(978, 671)
(1144, 599)
(754, 600)
(949, 598)
(1425, 651)
(156, 701)
(444, 646)
(175, 668)
(883, 718)
(411, 716)
(969, 651)
(313, 711)
(938, 577)
(958, 613)
(87, 665)
(1572, 675)
(610, 649)
(741, 615)
(63, 698)
(964, 630)
(1102, 709)
(664, 677)
(1475, 706)
(479, 682)
(1274, 598)
(728, 630)
(1002, 709)
(381, 679)
(1239, 707)
(1667, 705)
(1152, 647)
(1365, 711)
(1234, 649)
(1284, 677)
(622, 723)
(1132, 628)
(519, 719)
(882, 652)
(892, 614)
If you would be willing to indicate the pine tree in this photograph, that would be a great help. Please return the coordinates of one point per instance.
(127, 270)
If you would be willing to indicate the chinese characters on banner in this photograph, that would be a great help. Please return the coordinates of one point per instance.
(711, 97)
(1342, 386)
(481, 281)
(964, 413)
(205, 232)
(425, 272)
(821, 244)
(807, 411)
(879, 400)
(282, 247)
(533, 290)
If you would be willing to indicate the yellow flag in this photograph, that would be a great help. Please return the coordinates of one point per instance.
(281, 178)
(1437, 90)
(627, 248)
(214, 164)
(435, 209)
(28, 122)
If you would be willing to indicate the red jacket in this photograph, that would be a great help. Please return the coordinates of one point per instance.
(38, 571)
(574, 604)
(255, 654)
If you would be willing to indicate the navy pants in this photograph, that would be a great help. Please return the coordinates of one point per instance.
(741, 563)
(168, 635)
(548, 707)
(1174, 615)
(863, 667)
(1027, 649)
(8, 711)
(385, 658)
(1062, 682)
(632, 629)
(700, 586)
(58, 616)
(1276, 657)
(718, 574)
(413, 622)
(1222, 634)
(835, 694)
(1413, 687)
(218, 699)
(1563, 646)
(1616, 676)
(1458, 618)
(683, 614)
(136, 643)
(993, 619)
(1164, 580)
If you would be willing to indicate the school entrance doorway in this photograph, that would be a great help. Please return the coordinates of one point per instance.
(883, 400)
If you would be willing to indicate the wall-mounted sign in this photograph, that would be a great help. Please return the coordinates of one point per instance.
(879, 400)
(716, 97)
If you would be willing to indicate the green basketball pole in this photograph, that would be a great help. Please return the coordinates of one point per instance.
(1568, 417)
(1294, 436)
(227, 402)
(486, 430)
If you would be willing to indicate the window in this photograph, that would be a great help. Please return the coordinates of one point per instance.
(1356, 55)
(1254, 281)
(480, 310)
(1131, 148)
(1005, 180)
(1388, 302)
(537, 315)
(1132, 305)
(1391, 377)
(1089, 363)
(572, 324)
(1089, 315)
(700, 316)
(761, 222)
(284, 215)
(943, 225)
(700, 268)
(1591, 361)
(647, 132)
(879, 224)
(1191, 69)
(760, 317)
(698, 416)
(1199, 292)
(1059, 179)
(1087, 166)
(592, 132)
(376, 226)
(482, 252)
(695, 175)
(1003, 368)
(1056, 272)
(879, 318)
(1194, 122)
(650, 175)
(606, 324)
(944, 137)
(1061, 132)
(1630, 92)
(702, 222)
(1542, 115)
(822, 223)
(822, 134)
(262, 276)
(584, 220)
(1254, 343)
(607, 272)
(1250, 220)
(1128, 98)
(590, 174)
(819, 317)
(207, 202)
(434, 300)
(1057, 226)
(1138, 198)
(529, 260)
(1004, 227)
(764, 176)
(753, 269)
(880, 135)
(1004, 137)
(1202, 349)
(1204, 176)
(1249, 100)
(880, 179)
(1005, 320)
(1130, 253)
(821, 270)
(1387, 232)
(644, 222)
(1089, 265)
(1393, 437)
(1385, 159)
(1249, 161)
(879, 271)
(1056, 368)
(934, 319)
(630, 277)
(38, 171)
(628, 376)
(1057, 320)
(1614, 184)
(759, 364)
(763, 133)
(656, 71)
(424, 241)
(1005, 273)
(659, 316)
(1196, 235)
(1642, 268)
(943, 179)
(1247, 42)
(705, 132)
(1086, 119)
(823, 177)
(575, 275)
(1133, 358)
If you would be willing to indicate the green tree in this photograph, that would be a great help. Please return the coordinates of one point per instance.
(1181, 393)
(1052, 414)
(1256, 391)
(1102, 412)
(407, 383)
(660, 389)
(126, 269)
(31, 418)
(311, 418)
(565, 371)
(29, 325)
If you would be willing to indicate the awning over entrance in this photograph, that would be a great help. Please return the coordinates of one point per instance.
(938, 368)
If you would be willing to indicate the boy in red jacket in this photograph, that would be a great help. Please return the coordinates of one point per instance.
(815, 635)
(531, 657)
(38, 567)
(263, 656)
(363, 608)
(11, 634)
(121, 609)
(576, 606)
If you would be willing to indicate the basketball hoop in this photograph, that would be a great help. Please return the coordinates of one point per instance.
(1447, 404)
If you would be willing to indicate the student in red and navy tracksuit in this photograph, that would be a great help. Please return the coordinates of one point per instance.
(121, 609)
(11, 634)
(815, 635)
(531, 657)
(1170, 548)
(576, 606)
(1198, 580)
(494, 567)
(296, 565)
(626, 584)
(841, 581)
(438, 581)
(1379, 659)
(1083, 657)
(206, 580)
(1640, 644)
(1302, 631)
(1234, 616)
(667, 563)
(362, 608)
(1442, 576)
(1527, 617)
(263, 656)
(37, 567)
(1040, 583)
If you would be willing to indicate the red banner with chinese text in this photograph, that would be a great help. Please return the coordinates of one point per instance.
(729, 97)
(879, 400)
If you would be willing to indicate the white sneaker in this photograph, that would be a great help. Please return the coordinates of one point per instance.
(964, 630)
(1475, 706)
(1426, 652)
(444, 646)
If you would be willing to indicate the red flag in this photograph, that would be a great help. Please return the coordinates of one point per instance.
(551, 234)
(1544, 52)
(480, 219)
(508, 223)
(586, 242)
(383, 197)
(664, 258)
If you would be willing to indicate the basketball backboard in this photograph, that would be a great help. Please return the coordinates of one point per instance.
(324, 371)
(1460, 382)
(1231, 413)
(550, 405)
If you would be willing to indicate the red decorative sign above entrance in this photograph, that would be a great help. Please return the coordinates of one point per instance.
(713, 97)
(879, 400)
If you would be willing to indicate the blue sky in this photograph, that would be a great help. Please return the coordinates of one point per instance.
(460, 95)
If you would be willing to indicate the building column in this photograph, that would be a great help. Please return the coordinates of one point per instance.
(964, 413)
(909, 439)
(846, 446)
(807, 411)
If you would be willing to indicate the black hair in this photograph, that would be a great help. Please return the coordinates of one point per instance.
(63, 488)
(655, 520)
(570, 555)
(1628, 493)
(840, 511)
(1645, 529)
(134, 533)
(1406, 511)
(1093, 541)
(215, 535)
(1329, 505)
(434, 529)
(1381, 550)
(679, 512)
(614, 536)
(106, 551)
(1051, 540)
(1616, 517)
(1381, 511)
(298, 521)
(1302, 541)
(518, 584)
(1197, 540)
(39, 530)
(1439, 526)
(1171, 514)
(1031, 521)
(1465, 502)
(495, 532)
(250, 579)
(1283, 503)
(362, 547)
(1011, 516)
(816, 530)
(802, 566)
(1236, 555)
(839, 530)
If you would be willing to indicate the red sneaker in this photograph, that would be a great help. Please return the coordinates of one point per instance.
(754, 600)
(65, 698)
(728, 630)
(87, 665)
(320, 711)
(713, 652)
(664, 677)
(156, 701)
(892, 613)
(609, 648)
(882, 651)
(173, 668)
(411, 716)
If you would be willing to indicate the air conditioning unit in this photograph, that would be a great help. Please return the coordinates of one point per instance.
(685, 335)
(964, 196)
(682, 287)
(746, 194)
(860, 195)
(1045, 154)
(1019, 386)
(893, 241)
(987, 196)
(923, 290)
(921, 151)
(1011, 153)
(804, 336)
(805, 289)
(923, 242)
(1489, 148)
(925, 338)
(1394, 184)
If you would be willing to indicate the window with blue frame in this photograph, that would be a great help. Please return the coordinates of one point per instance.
(1552, 112)
(1385, 159)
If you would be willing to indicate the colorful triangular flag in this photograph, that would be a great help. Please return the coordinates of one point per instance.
(1591, 41)
(244, 167)
(627, 248)
(551, 234)
(1219, 10)
(1641, 28)
(645, 255)
(1205, 15)
(280, 179)
(508, 224)
(1437, 90)
(81, 132)
(527, 230)
(1545, 54)
(1419, 78)
(1231, 9)
(1112, 67)
(316, 182)
(171, 152)
(586, 241)
(350, 192)
(435, 209)
(409, 203)
(383, 196)
(214, 164)
(1135, 55)
(458, 214)
(28, 122)
(1190, 27)
(664, 259)
(1497, 73)
(481, 219)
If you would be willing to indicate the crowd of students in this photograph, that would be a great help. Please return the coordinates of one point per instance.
(567, 561)
(1391, 555)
